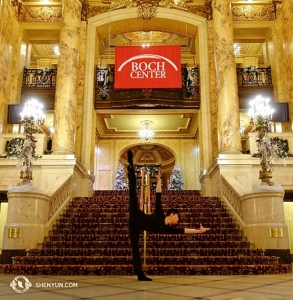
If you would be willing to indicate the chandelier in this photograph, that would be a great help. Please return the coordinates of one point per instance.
(236, 49)
(146, 134)
(261, 113)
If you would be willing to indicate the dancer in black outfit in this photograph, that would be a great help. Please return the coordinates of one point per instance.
(156, 222)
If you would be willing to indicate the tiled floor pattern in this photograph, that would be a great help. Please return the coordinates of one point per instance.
(260, 287)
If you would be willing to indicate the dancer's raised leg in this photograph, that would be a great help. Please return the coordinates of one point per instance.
(134, 213)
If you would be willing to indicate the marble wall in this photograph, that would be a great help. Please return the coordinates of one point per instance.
(108, 153)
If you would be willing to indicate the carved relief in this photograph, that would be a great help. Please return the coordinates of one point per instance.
(165, 154)
(84, 11)
(17, 7)
(147, 157)
(97, 10)
(252, 13)
(24, 1)
(42, 14)
(276, 7)
(198, 10)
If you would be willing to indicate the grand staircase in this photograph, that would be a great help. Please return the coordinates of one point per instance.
(91, 238)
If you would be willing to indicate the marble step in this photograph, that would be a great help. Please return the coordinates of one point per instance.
(153, 244)
(151, 251)
(150, 237)
(150, 260)
(120, 270)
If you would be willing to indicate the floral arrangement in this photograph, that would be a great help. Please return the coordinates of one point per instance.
(281, 147)
(277, 147)
(14, 147)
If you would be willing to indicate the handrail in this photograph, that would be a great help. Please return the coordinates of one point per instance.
(59, 197)
(232, 197)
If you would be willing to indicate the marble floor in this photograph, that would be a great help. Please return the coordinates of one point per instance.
(260, 287)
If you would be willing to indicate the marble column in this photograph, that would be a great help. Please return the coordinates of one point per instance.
(66, 87)
(228, 121)
(9, 31)
(284, 34)
(80, 89)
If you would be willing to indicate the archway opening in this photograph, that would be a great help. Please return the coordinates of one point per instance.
(152, 156)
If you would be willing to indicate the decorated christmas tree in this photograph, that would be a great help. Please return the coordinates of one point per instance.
(176, 182)
(121, 181)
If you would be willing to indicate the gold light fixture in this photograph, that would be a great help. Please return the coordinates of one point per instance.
(261, 116)
(237, 49)
(146, 134)
(55, 49)
(31, 117)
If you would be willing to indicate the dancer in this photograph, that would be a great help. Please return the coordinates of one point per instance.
(156, 222)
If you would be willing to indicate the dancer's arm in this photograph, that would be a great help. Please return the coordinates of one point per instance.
(193, 231)
(159, 182)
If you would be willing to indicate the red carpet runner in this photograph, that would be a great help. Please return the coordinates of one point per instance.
(92, 239)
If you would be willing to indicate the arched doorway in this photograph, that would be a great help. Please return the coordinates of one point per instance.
(152, 155)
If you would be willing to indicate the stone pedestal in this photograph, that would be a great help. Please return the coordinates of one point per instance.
(264, 218)
(28, 213)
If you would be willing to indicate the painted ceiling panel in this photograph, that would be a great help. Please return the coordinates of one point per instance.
(160, 123)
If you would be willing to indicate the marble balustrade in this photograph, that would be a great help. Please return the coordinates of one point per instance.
(33, 212)
(259, 212)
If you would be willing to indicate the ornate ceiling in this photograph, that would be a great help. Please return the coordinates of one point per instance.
(127, 123)
(151, 154)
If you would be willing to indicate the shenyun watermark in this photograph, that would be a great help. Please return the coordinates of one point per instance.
(21, 284)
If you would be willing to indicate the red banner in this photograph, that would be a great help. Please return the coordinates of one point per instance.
(147, 67)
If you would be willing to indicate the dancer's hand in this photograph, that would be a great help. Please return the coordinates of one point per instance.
(158, 176)
(203, 229)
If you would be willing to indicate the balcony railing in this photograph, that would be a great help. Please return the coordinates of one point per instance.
(253, 81)
(107, 96)
(252, 76)
(39, 78)
(41, 83)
